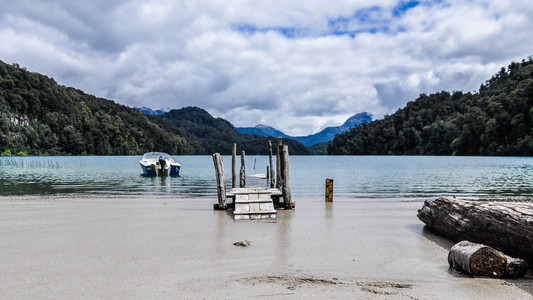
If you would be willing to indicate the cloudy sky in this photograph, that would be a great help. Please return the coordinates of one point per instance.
(296, 65)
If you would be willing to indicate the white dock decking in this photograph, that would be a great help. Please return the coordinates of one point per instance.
(254, 203)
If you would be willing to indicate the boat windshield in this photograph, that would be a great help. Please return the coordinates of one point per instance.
(156, 155)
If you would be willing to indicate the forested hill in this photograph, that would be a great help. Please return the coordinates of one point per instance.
(40, 117)
(497, 120)
(209, 135)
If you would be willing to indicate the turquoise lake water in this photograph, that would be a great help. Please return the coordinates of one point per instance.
(390, 178)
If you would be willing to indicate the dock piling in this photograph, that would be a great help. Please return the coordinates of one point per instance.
(272, 177)
(243, 170)
(233, 163)
(285, 187)
(278, 163)
(221, 182)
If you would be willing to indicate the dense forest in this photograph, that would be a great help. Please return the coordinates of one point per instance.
(497, 120)
(40, 117)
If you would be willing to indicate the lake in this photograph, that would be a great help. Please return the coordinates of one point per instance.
(389, 178)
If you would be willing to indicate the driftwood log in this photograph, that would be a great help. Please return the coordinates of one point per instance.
(485, 261)
(505, 226)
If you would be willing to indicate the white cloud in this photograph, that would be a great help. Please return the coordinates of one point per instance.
(298, 66)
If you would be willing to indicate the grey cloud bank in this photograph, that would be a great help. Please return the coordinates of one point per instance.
(298, 67)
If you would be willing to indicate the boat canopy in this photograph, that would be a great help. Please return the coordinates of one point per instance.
(156, 155)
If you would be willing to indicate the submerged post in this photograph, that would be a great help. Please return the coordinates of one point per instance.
(329, 190)
(221, 182)
(286, 188)
(272, 171)
(278, 163)
(243, 170)
(233, 163)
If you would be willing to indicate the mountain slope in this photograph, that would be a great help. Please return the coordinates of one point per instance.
(209, 135)
(323, 136)
(497, 120)
(40, 117)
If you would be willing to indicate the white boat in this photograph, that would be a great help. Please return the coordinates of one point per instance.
(159, 164)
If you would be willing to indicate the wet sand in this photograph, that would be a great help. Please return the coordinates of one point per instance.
(160, 247)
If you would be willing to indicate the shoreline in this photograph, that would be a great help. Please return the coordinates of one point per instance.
(98, 246)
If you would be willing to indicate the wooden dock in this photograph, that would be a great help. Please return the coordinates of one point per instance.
(255, 203)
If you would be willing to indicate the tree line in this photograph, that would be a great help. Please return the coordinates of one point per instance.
(40, 117)
(497, 120)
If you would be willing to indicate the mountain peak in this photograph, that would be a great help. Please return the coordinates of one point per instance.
(325, 135)
(154, 112)
(358, 119)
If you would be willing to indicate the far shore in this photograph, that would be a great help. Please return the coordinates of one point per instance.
(127, 247)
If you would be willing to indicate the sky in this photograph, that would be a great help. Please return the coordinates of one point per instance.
(298, 66)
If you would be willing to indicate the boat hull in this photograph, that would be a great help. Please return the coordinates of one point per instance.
(153, 170)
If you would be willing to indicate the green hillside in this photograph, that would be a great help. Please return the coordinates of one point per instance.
(40, 117)
(497, 120)
(209, 135)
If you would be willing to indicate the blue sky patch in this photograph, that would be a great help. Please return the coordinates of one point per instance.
(372, 20)
(404, 6)
(289, 32)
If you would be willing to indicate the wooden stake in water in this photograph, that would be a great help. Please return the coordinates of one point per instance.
(233, 170)
(243, 170)
(285, 180)
(329, 190)
(221, 181)
(278, 163)
(272, 171)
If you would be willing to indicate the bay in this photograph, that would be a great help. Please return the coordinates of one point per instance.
(388, 178)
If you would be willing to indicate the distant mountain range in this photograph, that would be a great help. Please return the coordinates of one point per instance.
(152, 112)
(326, 135)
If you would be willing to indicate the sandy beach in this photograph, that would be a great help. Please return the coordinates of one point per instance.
(70, 247)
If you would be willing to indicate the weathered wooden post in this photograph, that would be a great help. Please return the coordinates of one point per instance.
(243, 170)
(278, 163)
(233, 170)
(286, 188)
(273, 172)
(221, 182)
(329, 190)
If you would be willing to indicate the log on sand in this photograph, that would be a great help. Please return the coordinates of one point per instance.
(485, 261)
(505, 226)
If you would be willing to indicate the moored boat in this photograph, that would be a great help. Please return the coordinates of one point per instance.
(159, 164)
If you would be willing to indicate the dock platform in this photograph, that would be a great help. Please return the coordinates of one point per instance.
(253, 203)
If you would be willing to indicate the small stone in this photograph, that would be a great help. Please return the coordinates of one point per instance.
(244, 243)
